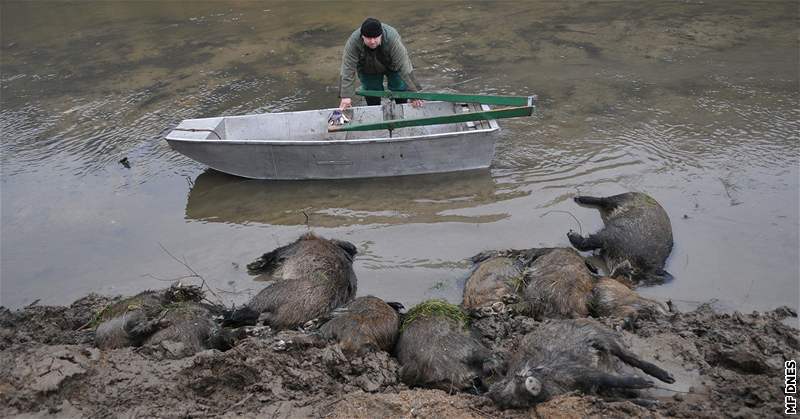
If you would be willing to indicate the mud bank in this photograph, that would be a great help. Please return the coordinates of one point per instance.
(724, 365)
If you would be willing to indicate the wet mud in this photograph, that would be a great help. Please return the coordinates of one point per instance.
(724, 365)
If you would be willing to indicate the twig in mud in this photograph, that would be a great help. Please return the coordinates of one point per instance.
(168, 279)
(194, 273)
(747, 295)
(681, 391)
(307, 224)
(36, 301)
(465, 81)
(85, 325)
(238, 351)
(95, 320)
(481, 412)
(709, 302)
(328, 405)
(241, 402)
(580, 228)
(240, 292)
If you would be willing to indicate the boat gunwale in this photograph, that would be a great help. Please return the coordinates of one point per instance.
(493, 127)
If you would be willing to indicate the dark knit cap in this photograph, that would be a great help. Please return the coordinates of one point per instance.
(371, 28)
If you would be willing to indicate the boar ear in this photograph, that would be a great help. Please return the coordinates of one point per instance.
(397, 306)
(348, 247)
(271, 261)
(533, 386)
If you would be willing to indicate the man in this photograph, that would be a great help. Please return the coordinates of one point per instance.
(373, 52)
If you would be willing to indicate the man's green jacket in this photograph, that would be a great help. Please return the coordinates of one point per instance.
(390, 56)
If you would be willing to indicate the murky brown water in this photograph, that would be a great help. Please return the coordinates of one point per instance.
(695, 103)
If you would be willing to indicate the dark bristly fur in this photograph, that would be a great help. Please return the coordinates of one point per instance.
(312, 276)
(152, 317)
(610, 298)
(192, 325)
(365, 324)
(552, 283)
(636, 240)
(491, 280)
(558, 285)
(567, 355)
(496, 275)
(437, 351)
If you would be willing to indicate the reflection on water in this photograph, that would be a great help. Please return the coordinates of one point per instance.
(695, 103)
(218, 197)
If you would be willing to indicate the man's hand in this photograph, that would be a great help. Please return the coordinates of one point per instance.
(345, 103)
(417, 103)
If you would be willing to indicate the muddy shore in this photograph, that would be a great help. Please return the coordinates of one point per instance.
(725, 365)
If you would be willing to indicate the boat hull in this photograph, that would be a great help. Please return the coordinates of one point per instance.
(447, 153)
(296, 145)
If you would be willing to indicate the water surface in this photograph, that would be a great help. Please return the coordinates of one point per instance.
(695, 103)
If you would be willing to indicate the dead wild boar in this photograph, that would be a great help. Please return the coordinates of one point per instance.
(636, 239)
(562, 356)
(151, 317)
(312, 276)
(437, 349)
(364, 324)
(191, 329)
(557, 285)
(495, 278)
(610, 298)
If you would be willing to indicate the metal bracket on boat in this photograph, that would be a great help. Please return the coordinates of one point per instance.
(522, 106)
(198, 130)
(453, 97)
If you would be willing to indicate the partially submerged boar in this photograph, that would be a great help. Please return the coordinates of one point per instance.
(312, 276)
(152, 317)
(550, 282)
(636, 239)
(365, 324)
(562, 356)
(436, 349)
(558, 284)
(610, 298)
(496, 278)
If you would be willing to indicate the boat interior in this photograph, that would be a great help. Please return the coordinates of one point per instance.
(313, 125)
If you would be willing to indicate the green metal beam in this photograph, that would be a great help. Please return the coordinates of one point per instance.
(452, 97)
(434, 120)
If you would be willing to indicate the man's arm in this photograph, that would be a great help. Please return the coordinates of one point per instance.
(347, 75)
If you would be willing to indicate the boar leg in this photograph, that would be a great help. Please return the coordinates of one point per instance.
(140, 331)
(593, 201)
(598, 380)
(480, 257)
(593, 241)
(631, 359)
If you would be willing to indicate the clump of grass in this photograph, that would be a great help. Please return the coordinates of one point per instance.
(175, 297)
(518, 282)
(114, 309)
(181, 293)
(180, 306)
(435, 308)
(99, 317)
